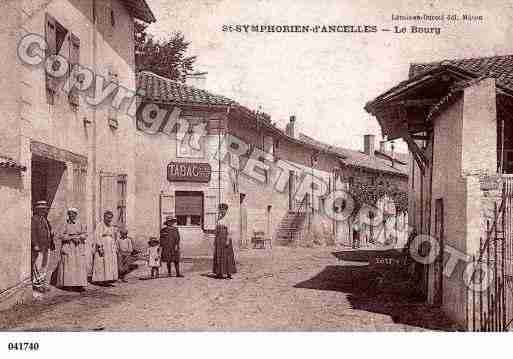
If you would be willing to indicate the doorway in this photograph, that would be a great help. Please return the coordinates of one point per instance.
(46, 178)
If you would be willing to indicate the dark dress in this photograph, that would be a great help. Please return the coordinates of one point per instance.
(170, 244)
(224, 258)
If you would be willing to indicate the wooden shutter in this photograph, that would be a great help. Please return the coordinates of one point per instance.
(74, 61)
(79, 186)
(122, 196)
(189, 205)
(108, 200)
(51, 40)
(211, 204)
(167, 207)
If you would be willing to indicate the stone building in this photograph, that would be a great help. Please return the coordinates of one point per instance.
(455, 116)
(59, 145)
(266, 177)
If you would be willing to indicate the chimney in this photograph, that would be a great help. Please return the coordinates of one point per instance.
(290, 130)
(382, 146)
(198, 81)
(368, 145)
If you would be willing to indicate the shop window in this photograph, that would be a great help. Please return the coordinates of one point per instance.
(189, 208)
(195, 220)
(181, 220)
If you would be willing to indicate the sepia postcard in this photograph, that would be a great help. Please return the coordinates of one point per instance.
(178, 166)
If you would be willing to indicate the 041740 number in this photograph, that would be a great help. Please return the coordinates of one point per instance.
(23, 346)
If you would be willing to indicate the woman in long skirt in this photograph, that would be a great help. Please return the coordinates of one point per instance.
(72, 269)
(105, 260)
(224, 258)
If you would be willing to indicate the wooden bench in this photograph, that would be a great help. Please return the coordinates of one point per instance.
(259, 240)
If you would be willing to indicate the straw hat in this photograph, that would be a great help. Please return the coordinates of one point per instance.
(170, 220)
(41, 204)
(153, 240)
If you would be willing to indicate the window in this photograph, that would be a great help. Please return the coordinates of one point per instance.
(112, 18)
(192, 145)
(63, 43)
(113, 77)
(351, 181)
(181, 220)
(113, 195)
(74, 61)
(189, 208)
(195, 220)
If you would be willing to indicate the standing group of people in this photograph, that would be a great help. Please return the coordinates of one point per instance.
(104, 260)
(111, 251)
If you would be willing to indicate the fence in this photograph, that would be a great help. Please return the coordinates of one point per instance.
(492, 300)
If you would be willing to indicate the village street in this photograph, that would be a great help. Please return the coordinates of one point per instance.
(282, 289)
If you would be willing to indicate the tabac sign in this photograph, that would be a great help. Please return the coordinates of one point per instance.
(188, 172)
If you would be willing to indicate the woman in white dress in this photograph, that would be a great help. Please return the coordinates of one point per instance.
(72, 270)
(105, 260)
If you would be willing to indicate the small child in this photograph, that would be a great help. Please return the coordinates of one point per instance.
(153, 253)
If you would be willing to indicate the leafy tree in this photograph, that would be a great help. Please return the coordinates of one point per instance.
(165, 57)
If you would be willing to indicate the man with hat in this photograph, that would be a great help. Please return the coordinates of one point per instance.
(170, 244)
(41, 243)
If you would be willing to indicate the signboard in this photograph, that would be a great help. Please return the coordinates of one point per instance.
(189, 172)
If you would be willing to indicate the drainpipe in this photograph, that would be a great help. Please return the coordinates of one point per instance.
(94, 184)
(501, 169)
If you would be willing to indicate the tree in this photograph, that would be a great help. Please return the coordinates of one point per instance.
(166, 57)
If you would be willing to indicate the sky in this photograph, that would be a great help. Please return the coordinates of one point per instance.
(325, 79)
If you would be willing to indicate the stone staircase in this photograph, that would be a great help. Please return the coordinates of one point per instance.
(291, 226)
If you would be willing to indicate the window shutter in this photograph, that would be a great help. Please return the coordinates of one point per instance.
(74, 61)
(211, 204)
(113, 77)
(122, 196)
(189, 205)
(51, 40)
(167, 207)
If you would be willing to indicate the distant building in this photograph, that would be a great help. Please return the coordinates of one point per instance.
(285, 213)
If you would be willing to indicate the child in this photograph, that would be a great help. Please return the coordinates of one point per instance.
(153, 254)
(125, 253)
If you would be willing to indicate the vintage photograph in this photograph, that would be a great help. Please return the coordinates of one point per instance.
(268, 166)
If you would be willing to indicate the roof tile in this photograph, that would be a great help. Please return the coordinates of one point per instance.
(159, 88)
(7, 162)
(500, 67)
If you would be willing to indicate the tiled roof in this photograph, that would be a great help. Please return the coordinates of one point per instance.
(499, 67)
(160, 89)
(163, 90)
(140, 10)
(401, 157)
(6, 162)
(359, 159)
